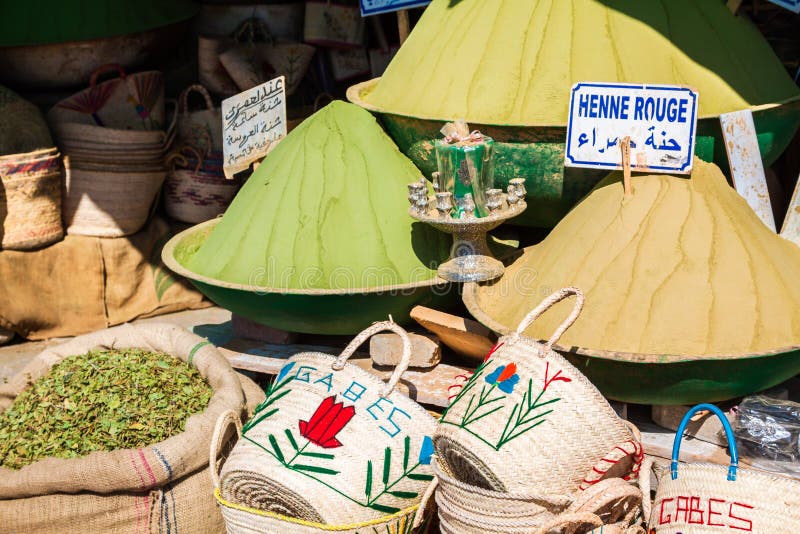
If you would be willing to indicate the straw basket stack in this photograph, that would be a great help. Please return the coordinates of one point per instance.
(196, 189)
(115, 138)
(30, 199)
(530, 445)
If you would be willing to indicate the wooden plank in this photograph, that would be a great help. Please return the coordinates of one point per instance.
(464, 336)
(744, 156)
(426, 386)
(791, 224)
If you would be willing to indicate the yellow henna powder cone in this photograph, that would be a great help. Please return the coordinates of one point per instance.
(681, 267)
(513, 61)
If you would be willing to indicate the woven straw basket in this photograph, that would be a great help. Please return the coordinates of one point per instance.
(240, 519)
(30, 200)
(612, 504)
(711, 499)
(196, 196)
(130, 102)
(332, 444)
(202, 127)
(109, 204)
(528, 421)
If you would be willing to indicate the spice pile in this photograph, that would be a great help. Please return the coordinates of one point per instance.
(326, 210)
(102, 400)
(520, 58)
(682, 267)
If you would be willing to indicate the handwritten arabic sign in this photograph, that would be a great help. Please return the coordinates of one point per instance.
(374, 7)
(660, 120)
(251, 122)
(791, 5)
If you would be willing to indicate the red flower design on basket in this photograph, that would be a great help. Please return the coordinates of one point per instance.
(555, 378)
(328, 420)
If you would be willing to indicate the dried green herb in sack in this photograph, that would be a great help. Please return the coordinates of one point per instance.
(98, 401)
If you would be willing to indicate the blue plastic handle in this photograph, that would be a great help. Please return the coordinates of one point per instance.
(676, 446)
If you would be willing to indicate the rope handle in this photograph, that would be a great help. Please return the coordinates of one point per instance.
(676, 446)
(223, 422)
(405, 359)
(102, 69)
(548, 303)
(572, 523)
(171, 130)
(430, 491)
(644, 485)
(183, 99)
(603, 500)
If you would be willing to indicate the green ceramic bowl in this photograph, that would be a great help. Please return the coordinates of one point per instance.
(537, 153)
(334, 312)
(663, 379)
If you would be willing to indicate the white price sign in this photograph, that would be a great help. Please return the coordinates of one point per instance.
(375, 7)
(251, 122)
(660, 120)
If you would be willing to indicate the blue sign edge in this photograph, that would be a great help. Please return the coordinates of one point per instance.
(790, 5)
(365, 12)
(579, 85)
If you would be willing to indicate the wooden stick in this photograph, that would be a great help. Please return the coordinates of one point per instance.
(625, 145)
(403, 25)
(734, 5)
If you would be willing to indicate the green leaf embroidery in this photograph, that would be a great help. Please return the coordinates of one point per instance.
(314, 469)
(322, 455)
(420, 476)
(368, 489)
(291, 440)
(385, 509)
(406, 450)
(253, 422)
(387, 464)
(277, 449)
(404, 494)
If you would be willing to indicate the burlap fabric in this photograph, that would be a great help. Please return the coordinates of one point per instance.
(711, 498)
(160, 488)
(90, 283)
(529, 422)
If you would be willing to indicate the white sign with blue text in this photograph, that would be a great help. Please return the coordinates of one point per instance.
(660, 120)
(375, 7)
(791, 5)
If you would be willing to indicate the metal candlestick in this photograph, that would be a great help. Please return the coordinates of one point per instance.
(470, 257)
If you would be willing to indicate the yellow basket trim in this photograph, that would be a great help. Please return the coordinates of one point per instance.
(320, 526)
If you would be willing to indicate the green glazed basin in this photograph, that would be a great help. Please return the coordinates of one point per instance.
(330, 312)
(665, 380)
(537, 152)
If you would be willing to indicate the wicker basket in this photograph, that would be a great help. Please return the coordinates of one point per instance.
(465, 509)
(528, 421)
(201, 129)
(197, 196)
(711, 498)
(130, 102)
(109, 204)
(333, 444)
(30, 200)
(240, 519)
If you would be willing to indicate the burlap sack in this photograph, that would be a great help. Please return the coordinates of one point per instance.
(159, 488)
(90, 283)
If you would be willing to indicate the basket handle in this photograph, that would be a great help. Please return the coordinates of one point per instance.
(405, 359)
(676, 446)
(195, 88)
(548, 303)
(223, 422)
(102, 69)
